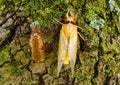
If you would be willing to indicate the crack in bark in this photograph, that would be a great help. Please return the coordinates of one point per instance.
(27, 67)
(99, 54)
(96, 66)
(107, 80)
(11, 56)
(11, 34)
(41, 80)
(5, 20)
(4, 63)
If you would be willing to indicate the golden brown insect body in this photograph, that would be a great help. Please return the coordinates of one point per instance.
(37, 45)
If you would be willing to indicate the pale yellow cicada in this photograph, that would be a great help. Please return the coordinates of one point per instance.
(67, 49)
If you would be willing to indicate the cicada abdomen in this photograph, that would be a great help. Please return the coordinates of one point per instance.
(37, 45)
(67, 50)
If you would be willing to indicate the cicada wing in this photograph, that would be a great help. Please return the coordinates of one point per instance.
(73, 49)
(62, 49)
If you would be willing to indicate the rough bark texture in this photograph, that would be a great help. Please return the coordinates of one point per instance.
(98, 60)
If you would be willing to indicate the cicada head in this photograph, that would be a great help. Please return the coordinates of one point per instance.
(71, 16)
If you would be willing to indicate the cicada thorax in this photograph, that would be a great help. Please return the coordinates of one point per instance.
(37, 45)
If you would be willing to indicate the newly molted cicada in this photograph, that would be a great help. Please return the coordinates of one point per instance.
(36, 43)
(67, 50)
